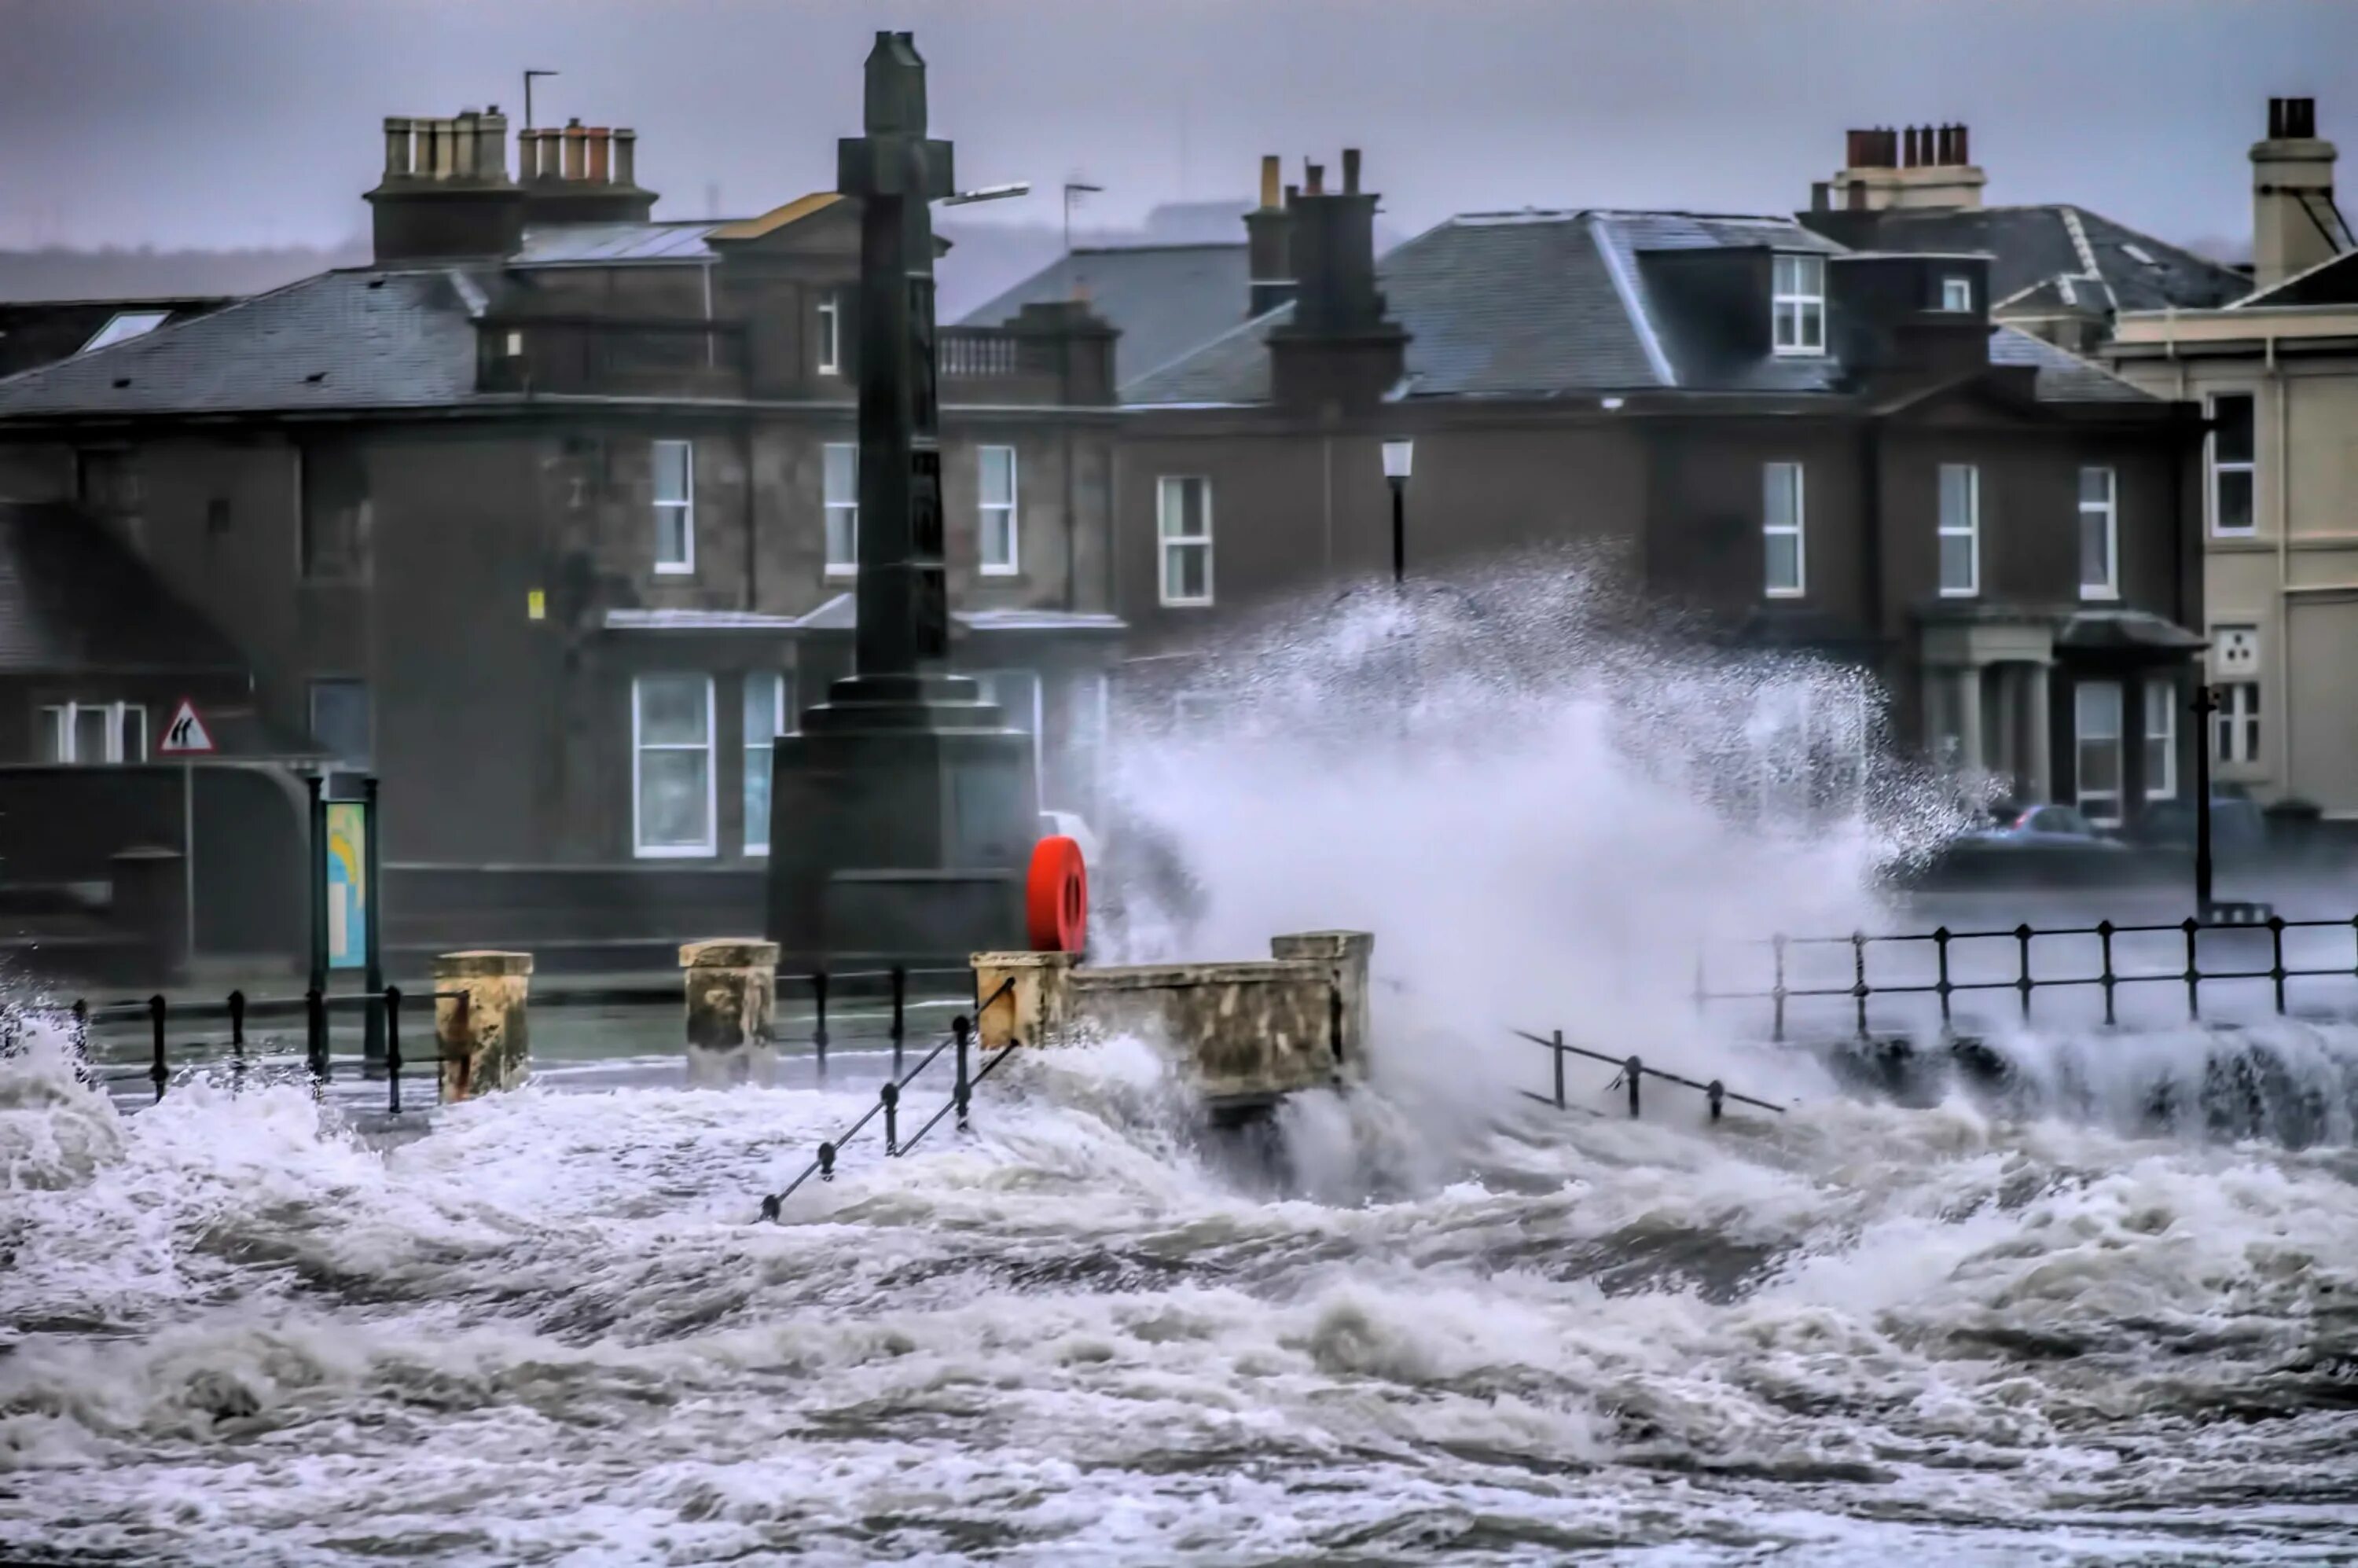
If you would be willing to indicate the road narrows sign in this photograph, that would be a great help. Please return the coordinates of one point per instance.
(185, 735)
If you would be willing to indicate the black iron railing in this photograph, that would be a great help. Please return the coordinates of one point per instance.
(1943, 977)
(824, 988)
(1632, 1076)
(888, 1103)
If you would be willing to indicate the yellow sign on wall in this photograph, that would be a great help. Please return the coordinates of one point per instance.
(348, 889)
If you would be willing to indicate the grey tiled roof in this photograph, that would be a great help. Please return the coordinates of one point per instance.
(343, 340)
(567, 245)
(2063, 377)
(1163, 300)
(2030, 245)
(1554, 304)
(73, 598)
(2333, 281)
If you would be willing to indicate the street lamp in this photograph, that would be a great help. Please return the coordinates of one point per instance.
(1397, 455)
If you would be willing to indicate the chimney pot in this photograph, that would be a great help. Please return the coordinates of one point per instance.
(1964, 154)
(1350, 171)
(396, 147)
(2276, 119)
(1315, 180)
(601, 140)
(1268, 180)
(577, 142)
(626, 156)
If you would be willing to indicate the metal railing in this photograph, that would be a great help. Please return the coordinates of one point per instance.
(888, 1103)
(1947, 978)
(1633, 1075)
(824, 988)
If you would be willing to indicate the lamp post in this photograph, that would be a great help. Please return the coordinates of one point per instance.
(1397, 456)
(2206, 703)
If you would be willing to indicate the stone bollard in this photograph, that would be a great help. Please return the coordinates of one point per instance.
(1038, 1006)
(732, 998)
(1346, 954)
(480, 1021)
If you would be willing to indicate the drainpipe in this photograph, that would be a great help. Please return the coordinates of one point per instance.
(1870, 554)
(752, 551)
(2283, 476)
(1072, 527)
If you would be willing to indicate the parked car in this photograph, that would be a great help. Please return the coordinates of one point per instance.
(2040, 828)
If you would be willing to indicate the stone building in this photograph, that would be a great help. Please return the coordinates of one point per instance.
(1804, 445)
(547, 518)
(2276, 374)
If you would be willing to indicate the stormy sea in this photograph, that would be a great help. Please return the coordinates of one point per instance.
(1422, 1317)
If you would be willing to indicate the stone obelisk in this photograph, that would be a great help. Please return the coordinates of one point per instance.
(903, 816)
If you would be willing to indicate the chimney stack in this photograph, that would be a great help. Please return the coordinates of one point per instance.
(1341, 347)
(1913, 166)
(2294, 224)
(446, 190)
(1269, 262)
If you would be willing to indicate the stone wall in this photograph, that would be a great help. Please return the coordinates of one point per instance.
(1251, 1029)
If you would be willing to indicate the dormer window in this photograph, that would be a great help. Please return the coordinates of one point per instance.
(1797, 304)
(1957, 295)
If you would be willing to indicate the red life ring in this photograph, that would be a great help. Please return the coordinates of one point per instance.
(1057, 897)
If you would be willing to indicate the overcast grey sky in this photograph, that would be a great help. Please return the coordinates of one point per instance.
(221, 122)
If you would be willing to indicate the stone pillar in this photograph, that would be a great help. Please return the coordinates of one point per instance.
(732, 995)
(2040, 784)
(1346, 954)
(480, 1021)
(1038, 1006)
(1969, 719)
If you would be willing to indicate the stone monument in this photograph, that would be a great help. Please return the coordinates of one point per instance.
(903, 816)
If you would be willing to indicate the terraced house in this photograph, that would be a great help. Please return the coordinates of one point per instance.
(1808, 446)
(547, 515)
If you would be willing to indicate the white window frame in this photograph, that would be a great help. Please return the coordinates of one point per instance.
(2092, 804)
(63, 721)
(1957, 294)
(2212, 467)
(2108, 512)
(2165, 710)
(757, 838)
(1797, 530)
(1808, 305)
(2236, 724)
(830, 508)
(1971, 532)
(684, 506)
(985, 508)
(1165, 487)
(830, 333)
(639, 746)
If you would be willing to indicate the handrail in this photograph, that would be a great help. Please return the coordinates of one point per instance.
(1633, 1069)
(1944, 986)
(888, 1101)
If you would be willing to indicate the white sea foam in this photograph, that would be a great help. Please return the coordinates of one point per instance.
(1450, 1323)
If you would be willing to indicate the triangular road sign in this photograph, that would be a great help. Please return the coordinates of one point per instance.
(186, 734)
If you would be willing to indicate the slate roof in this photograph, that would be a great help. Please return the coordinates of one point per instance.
(2030, 246)
(366, 339)
(1536, 305)
(1163, 300)
(40, 332)
(73, 598)
(2333, 281)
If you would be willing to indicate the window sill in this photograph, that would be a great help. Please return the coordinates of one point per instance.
(840, 574)
(1796, 353)
(1186, 604)
(1961, 593)
(2100, 595)
(675, 852)
(1002, 571)
(1786, 593)
(664, 571)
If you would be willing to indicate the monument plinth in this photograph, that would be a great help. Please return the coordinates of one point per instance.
(903, 816)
